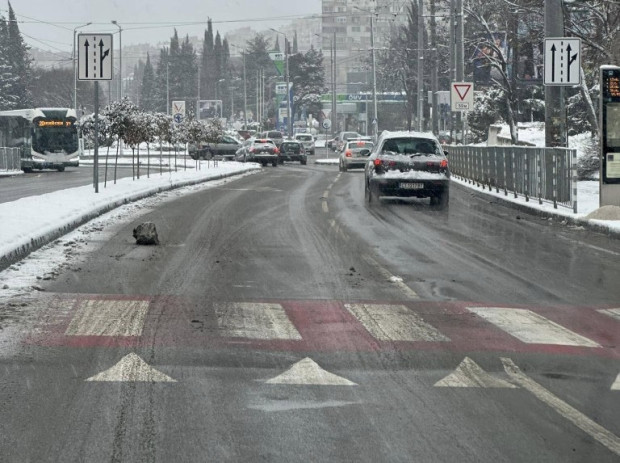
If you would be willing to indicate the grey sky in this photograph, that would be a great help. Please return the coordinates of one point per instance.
(49, 24)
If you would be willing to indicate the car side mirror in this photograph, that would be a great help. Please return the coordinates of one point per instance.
(445, 153)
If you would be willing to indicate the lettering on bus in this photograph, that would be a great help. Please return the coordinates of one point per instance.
(54, 123)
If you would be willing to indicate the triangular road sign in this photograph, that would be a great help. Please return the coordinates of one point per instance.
(470, 374)
(132, 368)
(616, 385)
(462, 90)
(308, 372)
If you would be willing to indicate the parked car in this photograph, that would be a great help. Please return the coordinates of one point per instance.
(307, 140)
(355, 153)
(293, 150)
(408, 164)
(261, 150)
(276, 136)
(224, 149)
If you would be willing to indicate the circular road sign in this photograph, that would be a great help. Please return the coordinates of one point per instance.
(178, 118)
(327, 124)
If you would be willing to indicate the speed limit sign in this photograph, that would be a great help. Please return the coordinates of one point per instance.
(327, 124)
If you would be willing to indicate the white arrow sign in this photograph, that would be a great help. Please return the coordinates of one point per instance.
(562, 61)
(94, 56)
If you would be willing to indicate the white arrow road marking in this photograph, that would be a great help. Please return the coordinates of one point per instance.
(255, 321)
(614, 313)
(394, 323)
(531, 328)
(308, 372)
(616, 385)
(593, 429)
(470, 374)
(132, 368)
(108, 318)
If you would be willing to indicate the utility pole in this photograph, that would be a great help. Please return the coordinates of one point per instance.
(420, 109)
(375, 126)
(434, 76)
(555, 114)
(334, 77)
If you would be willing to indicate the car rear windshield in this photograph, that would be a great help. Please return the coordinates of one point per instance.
(304, 137)
(274, 135)
(348, 135)
(410, 145)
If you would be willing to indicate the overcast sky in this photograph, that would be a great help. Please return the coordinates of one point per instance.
(49, 24)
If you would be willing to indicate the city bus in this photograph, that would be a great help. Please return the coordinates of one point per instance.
(48, 137)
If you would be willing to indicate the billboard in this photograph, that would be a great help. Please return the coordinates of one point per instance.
(209, 109)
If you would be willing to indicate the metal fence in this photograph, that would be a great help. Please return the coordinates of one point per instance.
(10, 159)
(545, 174)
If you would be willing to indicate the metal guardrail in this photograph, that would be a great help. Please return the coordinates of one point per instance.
(546, 174)
(10, 159)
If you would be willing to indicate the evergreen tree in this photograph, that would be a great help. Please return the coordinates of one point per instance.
(19, 60)
(148, 98)
(8, 81)
(207, 88)
(160, 90)
(295, 43)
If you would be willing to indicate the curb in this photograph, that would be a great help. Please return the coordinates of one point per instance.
(17, 254)
(575, 221)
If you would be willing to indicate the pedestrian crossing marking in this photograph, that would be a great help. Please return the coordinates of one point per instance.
(308, 372)
(131, 368)
(470, 374)
(104, 317)
(394, 323)
(613, 313)
(266, 321)
(531, 328)
(616, 385)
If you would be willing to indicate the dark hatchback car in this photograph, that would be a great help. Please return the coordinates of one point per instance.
(261, 150)
(224, 149)
(293, 150)
(408, 164)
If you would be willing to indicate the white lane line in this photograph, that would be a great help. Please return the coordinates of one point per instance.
(255, 321)
(396, 281)
(325, 208)
(613, 313)
(326, 194)
(132, 368)
(394, 323)
(590, 427)
(531, 328)
(308, 372)
(470, 374)
(108, 318)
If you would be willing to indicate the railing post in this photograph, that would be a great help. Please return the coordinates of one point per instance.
(526, 177)
(573, 168)
(555, 180)
(514, 172)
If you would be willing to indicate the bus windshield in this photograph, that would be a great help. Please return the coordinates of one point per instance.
(54, 137)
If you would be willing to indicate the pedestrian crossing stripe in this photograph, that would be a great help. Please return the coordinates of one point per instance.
(104, 317)
(614, 313)
(530, 327)
(394, 323)
(266, 321)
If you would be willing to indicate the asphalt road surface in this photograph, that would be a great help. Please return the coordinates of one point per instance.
(282, 319)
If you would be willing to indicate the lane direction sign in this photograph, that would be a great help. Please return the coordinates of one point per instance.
(95, 57)
(462, 96)
(562, 61)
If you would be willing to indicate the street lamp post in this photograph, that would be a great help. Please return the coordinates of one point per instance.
(168, 88)
(75, 67)
(245, 93)
(120, 62)
(375, 125)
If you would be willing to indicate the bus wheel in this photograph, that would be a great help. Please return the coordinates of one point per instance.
(61, 169)
(27, 170)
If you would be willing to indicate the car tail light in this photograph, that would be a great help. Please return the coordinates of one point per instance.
(348, 153)
(276, 150)
(251, 150)
(378, 162)
(444, 164)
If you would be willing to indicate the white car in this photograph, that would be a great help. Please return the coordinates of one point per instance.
(307, 140)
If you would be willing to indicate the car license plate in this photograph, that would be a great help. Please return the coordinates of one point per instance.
(411, 186)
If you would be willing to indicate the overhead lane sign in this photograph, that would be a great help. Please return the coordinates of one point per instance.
(95, 57)
(462, 96)
(562, 61)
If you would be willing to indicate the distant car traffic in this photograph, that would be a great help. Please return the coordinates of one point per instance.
(344, 137)
(293, 150)
(307, 140)
(276, 136)
(355, 153)
(408, 164)
(224, 149)
(261, 150)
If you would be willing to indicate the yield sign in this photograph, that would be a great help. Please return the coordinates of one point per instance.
(462, 96)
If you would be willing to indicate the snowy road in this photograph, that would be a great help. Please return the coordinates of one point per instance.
(282, 313)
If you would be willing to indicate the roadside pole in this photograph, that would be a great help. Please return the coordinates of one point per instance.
(96, 155)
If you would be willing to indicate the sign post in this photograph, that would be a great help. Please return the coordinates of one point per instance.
(462, 100)
(95, 64)
(609, 120)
